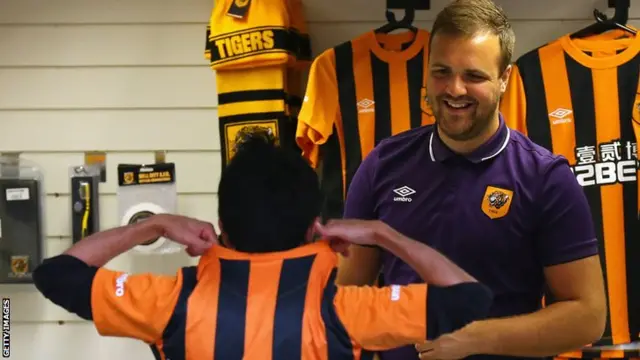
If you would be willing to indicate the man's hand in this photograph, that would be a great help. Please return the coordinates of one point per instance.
(342, 233)
(197, 236)
(451, 346)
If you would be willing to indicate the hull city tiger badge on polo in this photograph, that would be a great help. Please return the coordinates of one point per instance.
(237, 132)
(496, 202)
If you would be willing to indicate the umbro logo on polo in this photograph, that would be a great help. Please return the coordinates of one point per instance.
(404, 192)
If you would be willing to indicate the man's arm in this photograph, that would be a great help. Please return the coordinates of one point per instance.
(363, 264)
(577, 319)
(568, 248)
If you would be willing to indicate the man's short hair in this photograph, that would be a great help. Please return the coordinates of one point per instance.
(268, 195)
(470, 17)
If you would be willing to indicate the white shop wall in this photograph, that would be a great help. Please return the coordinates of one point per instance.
(129, 78)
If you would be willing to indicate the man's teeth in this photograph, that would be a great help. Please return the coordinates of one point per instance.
(457, 105)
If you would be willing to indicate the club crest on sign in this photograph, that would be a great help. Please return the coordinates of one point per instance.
(496, 202)
(19, 264)
(128, 178)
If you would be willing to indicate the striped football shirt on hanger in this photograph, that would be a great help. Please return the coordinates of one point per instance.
(358, 93)
(580, 98)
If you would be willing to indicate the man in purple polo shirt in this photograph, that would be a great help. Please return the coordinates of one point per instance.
(507, 211)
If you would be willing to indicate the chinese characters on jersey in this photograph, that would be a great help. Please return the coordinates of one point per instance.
(608, 163)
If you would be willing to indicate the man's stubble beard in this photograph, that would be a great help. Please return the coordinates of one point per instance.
(479, 122)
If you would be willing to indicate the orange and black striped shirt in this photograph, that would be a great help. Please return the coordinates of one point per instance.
(358, 93)
(581, 98)
(234, 306)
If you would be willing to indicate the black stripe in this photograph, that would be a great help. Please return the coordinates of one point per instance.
(287, 133)
(538, 128)
(251, 95)
(590, 353)
(338, 340)
(207, 44)
(232, 310)
(582, 96)
(292, 292)
(627, 88)
(415, 73)
(155, 352)
(303, 45)
(294, 101)
(331, 178)
(382, 98)
(349, 109)
(174, 335)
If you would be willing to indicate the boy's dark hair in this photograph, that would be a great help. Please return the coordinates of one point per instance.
(268, 195)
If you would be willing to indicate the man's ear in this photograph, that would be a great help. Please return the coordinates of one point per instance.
(504, 78)
(311, 231)
(222, 237)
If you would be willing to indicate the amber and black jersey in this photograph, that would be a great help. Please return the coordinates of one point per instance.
(358, 93)
(580, 98)
(279, 305)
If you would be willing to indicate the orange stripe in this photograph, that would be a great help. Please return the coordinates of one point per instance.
(399, 93)
(558, 96)
(612, 354)
(571, 355)
(427, 114)
(314, 338)
(261, 307)
(202, 318)
(364, 90)
(606, 104)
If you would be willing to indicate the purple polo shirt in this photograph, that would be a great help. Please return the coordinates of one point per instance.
(502, 213)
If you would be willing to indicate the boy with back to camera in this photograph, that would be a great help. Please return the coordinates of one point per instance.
(263, 289)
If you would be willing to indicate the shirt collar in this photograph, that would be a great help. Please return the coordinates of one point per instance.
(220, 252)
(438, 151)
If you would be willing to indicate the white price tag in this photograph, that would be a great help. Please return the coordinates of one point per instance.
(17, 194)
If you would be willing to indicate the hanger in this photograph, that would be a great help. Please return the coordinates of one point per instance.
(604, 24)
(393, 24)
